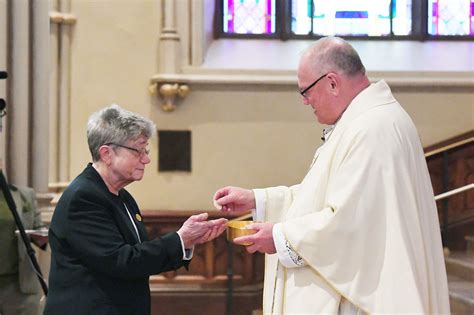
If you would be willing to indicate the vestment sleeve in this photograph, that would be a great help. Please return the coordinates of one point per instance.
(287, 256)
(278, 200)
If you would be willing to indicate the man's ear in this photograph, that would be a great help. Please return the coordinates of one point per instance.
(105, 153)
(334, 83)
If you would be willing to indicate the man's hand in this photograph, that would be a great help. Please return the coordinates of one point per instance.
(196, 230)
(262, 240)
(234, 199)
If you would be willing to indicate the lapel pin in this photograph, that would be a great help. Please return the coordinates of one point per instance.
(138, 217)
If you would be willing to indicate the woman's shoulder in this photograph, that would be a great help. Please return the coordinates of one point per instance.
(84, 186)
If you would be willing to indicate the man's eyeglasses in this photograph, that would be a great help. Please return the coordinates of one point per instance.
(140, 152)
(303, 93)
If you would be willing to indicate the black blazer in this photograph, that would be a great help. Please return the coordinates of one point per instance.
(98, 265)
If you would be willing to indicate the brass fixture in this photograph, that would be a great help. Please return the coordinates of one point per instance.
(61, 18)
(169, 91)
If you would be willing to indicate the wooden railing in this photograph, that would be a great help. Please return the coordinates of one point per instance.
(454, 192)
(449, 146)
(450, 164)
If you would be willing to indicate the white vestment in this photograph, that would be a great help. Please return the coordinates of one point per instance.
(363, 219)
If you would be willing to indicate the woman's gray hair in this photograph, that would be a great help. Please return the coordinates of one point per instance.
(334, 54)
(114, 124)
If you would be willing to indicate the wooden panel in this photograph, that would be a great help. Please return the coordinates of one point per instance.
(460, 172)
(203, 289)
(202, 300)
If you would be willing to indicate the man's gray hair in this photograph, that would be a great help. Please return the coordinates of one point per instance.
(114, 124)
(334, 54)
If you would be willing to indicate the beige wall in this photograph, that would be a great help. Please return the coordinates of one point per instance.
(252, 135)
(113, 56)
(438, 112)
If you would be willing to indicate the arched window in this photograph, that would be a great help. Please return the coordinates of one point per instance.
(373, 19)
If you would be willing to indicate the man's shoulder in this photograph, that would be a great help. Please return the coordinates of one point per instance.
(381, 119)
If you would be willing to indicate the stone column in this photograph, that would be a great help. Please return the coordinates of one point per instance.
(18, 149)
(39, 101)
(170, 53)
(27, 94)
(53, 95)
(64, 91)
(60, 89)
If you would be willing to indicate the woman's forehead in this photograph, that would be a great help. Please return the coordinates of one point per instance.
(140, 140)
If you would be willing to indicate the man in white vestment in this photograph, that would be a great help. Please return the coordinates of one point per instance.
(360, 233)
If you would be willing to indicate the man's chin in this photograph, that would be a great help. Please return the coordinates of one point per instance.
(317, 117)
(323, 121)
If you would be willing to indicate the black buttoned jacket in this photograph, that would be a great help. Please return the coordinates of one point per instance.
(98, 265)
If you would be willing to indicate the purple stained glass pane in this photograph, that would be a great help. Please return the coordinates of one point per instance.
(249, 16)
(450, 17)
(230, 23)
(268, 24)
(472, 18)
(352, 14)
(435, 9)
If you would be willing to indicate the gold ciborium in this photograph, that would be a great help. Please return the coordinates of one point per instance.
(239, 228)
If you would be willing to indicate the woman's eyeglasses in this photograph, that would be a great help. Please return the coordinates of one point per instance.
(140, 152)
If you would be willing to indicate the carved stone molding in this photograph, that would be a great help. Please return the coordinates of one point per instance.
(61, 18)
(168, 92)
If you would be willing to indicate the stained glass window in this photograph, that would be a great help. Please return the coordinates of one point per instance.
(451, 17)
(249, 16)
(359, 18)
(350, 17)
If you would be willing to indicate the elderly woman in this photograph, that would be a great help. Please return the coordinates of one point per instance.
(101, 257)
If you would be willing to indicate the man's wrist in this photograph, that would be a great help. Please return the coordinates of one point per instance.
(260, 204)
